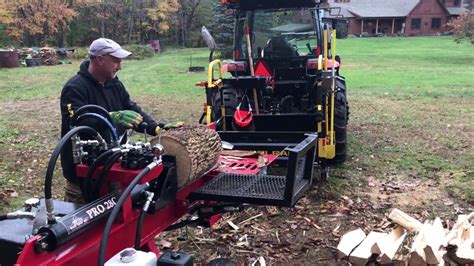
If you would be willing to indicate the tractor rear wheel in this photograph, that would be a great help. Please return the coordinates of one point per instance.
(340, 125)
(230, 102)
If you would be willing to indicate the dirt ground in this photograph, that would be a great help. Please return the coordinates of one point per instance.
(393, 162)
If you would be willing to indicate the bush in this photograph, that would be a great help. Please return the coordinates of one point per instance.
(80, 53)
(139, 52)
(463, 27)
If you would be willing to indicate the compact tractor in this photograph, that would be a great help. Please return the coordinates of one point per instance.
(284, 79)
(293, 104)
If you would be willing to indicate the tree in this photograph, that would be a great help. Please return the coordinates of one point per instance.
(36, 22)
(463, 27)
(192, 15)
(160, 17)
(222, 28)
(187, 13)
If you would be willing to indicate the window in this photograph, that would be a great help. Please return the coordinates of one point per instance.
(435, 23)
(457, 3)
(415, 23)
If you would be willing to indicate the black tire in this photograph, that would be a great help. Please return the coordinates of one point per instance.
(230, 102)
(341, 117)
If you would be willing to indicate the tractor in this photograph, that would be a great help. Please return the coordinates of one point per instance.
(284, 95)
(284, 78)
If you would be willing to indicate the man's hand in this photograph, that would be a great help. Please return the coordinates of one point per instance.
(126, 118)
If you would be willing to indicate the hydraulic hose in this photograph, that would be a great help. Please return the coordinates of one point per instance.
(88, 184)
(118, 207)
(100, 179)
(90, 108)
(91, 171)
(105, 122)
(48, 180)
(146, 205)
(138, 234)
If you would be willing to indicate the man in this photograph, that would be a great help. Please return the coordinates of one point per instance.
(96, 83)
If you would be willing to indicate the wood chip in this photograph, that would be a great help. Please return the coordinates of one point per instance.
(250, 219)
(234, 226)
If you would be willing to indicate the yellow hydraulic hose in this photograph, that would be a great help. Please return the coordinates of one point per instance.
(333, 89)
(325, 52)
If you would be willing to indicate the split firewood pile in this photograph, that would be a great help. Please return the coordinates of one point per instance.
(411, 242)
(27, 53)
(48, 56)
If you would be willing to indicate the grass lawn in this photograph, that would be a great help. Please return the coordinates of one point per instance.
(405, 90)
(411, 126)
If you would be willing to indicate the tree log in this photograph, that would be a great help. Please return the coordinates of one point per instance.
(196, 147)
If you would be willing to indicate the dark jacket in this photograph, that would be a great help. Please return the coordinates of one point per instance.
(82, 89)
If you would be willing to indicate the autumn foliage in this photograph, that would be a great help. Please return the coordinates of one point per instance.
(77, 22)
(463, 27)
(35, 21)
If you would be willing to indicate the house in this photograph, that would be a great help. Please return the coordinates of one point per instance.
(456, 7)
(399, 17)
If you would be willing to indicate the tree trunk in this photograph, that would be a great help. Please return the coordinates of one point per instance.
(130, 26)
(196, 147)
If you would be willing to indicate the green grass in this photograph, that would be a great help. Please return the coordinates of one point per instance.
(164, 74)
(400, 67)
(411, 100)
(408, 67)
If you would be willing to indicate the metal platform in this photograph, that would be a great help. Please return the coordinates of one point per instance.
(263, 189)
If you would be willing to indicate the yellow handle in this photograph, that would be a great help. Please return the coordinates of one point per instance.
(210, 75)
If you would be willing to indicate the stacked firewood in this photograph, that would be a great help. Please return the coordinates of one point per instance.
(48, 56)
(27, 53)
(430, 243)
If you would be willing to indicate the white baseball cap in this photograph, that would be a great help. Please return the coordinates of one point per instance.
(104, 46)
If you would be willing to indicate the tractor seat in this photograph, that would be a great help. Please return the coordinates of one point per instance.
(279, 47)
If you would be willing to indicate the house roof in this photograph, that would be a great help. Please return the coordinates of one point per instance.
(457, 10)
(376, 8)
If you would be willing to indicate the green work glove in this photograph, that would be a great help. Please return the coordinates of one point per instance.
(126, 118)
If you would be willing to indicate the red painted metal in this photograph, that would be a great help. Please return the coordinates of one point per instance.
(241, 165)
(119, 174)
(83, 250)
